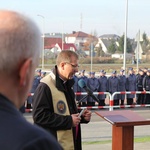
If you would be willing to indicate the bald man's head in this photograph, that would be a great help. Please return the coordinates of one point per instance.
(19, 40)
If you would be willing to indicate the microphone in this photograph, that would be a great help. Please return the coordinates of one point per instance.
(82, 84)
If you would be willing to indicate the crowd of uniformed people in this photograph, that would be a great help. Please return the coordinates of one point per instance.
(116, 82)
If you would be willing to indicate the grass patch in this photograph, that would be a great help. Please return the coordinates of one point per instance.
(136, 140)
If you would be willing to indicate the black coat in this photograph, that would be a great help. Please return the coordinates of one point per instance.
(18, 134)
(146, 83)
(43, 111)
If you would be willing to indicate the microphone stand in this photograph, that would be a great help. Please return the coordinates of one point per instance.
(82, 99)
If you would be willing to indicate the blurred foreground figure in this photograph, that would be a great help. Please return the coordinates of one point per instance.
(19, 49)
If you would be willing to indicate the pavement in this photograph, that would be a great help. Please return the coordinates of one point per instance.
(99, 130)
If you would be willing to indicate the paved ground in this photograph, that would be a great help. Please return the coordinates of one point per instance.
(100, 130)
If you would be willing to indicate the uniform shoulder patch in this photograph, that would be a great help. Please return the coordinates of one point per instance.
(61, 107)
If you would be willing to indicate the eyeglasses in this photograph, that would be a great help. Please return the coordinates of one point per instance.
(74, 66)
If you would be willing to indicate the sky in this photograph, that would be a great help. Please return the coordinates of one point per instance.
(100, 16)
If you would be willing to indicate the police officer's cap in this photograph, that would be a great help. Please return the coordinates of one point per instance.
(44, 73)
(131, 68)
(82, 71)
(114, 72)
(39, 70)
(122, 70)
(148, 70)
(102, 71)
(92, 73)
(140, 70)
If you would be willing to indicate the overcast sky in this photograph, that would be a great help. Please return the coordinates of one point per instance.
(103, 16)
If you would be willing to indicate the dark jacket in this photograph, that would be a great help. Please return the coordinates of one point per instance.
(131, 85)
(113, 85)
(43, 111)
(139, 82)
(146, 83)
(102, 86)
(122, 86)
(18, 134)
(93, 84)
(82, 97)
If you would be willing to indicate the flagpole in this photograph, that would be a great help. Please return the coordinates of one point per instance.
(125, 37)
(137, 52)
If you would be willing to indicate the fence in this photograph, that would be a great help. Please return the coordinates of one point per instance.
(111, 100)
(129, 92)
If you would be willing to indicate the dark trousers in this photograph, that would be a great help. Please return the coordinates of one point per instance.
(122, 102)
(83, 104)
(90, 103)
(140, 99)
(147, 99)
(101, 102)
(129, 101)
(116, 102)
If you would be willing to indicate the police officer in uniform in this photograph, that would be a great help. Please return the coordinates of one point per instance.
(122, 85)
(139, 87)
(145, 71)
(82, 97)
(146, 87)
(76, 87)
(102, 87)
(130, 86)
(43, 74)
(35, 84)
(113, 86)
(93, 84)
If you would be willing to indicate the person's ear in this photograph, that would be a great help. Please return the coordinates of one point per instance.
(24, 72)
(62, 64)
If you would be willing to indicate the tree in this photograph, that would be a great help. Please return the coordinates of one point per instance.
(99, 51)
(121, 45)
(112, 48)
(145, 43)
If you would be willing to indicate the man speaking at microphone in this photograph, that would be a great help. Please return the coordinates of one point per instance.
(54, 106)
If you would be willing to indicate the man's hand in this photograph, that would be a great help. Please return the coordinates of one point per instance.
(75, 119)
(87, 115)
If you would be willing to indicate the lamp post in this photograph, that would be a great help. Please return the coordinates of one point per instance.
(125, 37)
(43, 18)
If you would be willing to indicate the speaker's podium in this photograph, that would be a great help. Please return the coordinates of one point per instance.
(123, 123)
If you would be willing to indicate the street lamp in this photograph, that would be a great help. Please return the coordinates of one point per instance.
(43, 18)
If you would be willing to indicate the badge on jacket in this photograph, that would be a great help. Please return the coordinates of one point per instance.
(61, 107)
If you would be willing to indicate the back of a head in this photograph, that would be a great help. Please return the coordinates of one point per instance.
(19, 40)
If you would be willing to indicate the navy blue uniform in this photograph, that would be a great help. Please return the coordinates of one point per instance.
(122, 87)
(76, 87)
(113, 86)
(93, 84)
(84, 100)
(130, 86)
(35, 84)
(102, 88)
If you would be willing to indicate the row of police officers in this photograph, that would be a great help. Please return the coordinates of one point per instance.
(114, 83)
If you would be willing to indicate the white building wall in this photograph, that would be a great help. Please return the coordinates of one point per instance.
(102, 44)
(70, 39)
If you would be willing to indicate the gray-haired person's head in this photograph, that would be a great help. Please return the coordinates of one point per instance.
(19, 40)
